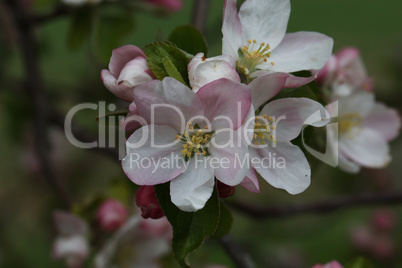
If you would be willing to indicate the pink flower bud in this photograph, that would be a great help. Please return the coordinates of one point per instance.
(148, 203)
(225, 190)
(171, 5)
(111, 215)
(383, 220)
(332, 264)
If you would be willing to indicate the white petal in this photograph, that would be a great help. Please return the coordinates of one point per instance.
(292, 114)
(264, 20)
(292, 176)
(361, 103)
(348, 165)
(300, 51)
(384, 121)
(366, 148)
(230, 150)
(151, 155)
(135, 72)
(191, 190)
(203, 71)
(231, 29)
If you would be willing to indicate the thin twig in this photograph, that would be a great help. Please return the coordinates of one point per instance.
(319, 207)
(200, 12)
(239, 257)
(34, 88)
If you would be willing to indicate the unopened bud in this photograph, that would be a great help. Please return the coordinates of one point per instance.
(225, 190)
(111, 215)
(148, 203)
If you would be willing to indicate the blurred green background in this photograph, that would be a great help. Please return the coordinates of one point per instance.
(72, 77)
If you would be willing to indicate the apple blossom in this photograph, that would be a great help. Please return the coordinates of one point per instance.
(364, 127)
(345, 73)
(277, 123)
(111, 215)
(148, 203)
(71, 243)
(332, 264)
(128, 68)
(142, 241)
(256, 38)
(187, 131)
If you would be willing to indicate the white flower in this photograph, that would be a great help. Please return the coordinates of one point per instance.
(365, 127)
(256, 38)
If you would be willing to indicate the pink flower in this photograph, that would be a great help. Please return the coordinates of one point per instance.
(172, 137)
(345, 73)
(256, 38)
(128, 68)
(332, 264)
(111, 215)
(148, 203)
(364, 128)
(171, 5)
(71, 243)
(273, 156)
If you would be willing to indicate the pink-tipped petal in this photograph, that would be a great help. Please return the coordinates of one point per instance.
(231, 29)
(250, 182)
(264, 21)
(300, 51)
(121, 56)
(266, 87)
(327, 73)
(121, 91)
(227, 103)
(347, 56)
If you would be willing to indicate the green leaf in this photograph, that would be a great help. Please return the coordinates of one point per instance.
(156, 52)
(190, 39)
(359, 262)
(225, 221)
(189, 228)
(172, 70)
(80, 27)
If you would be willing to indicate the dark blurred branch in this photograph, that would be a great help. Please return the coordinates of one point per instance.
(200, 12)
(82, 135)
(34, 88)
(240, 258)
(358, 200)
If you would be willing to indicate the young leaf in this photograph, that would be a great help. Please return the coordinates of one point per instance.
(156, 52)
(225, 221)
(172, 70)
(189, 228)
(190, 39)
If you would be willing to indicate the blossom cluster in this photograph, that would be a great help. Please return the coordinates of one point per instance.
(229, 109)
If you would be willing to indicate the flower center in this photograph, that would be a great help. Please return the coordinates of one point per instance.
(250, 57)
(264, 129)
(195, 141)
(349, 121)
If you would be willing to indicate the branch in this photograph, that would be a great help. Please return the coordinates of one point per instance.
(34, 89)
(240, 258)
(200, 11)
(321, 207)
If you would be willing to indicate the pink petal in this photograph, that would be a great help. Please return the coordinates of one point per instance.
(121, 56)
(266, 87)
(225, 98)
(328, 71)
(264, 21)
(149, 146)
(384, 121)
(347, 55)
(173, 103)
(231, 29)
(250, 182)
(121, 91)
